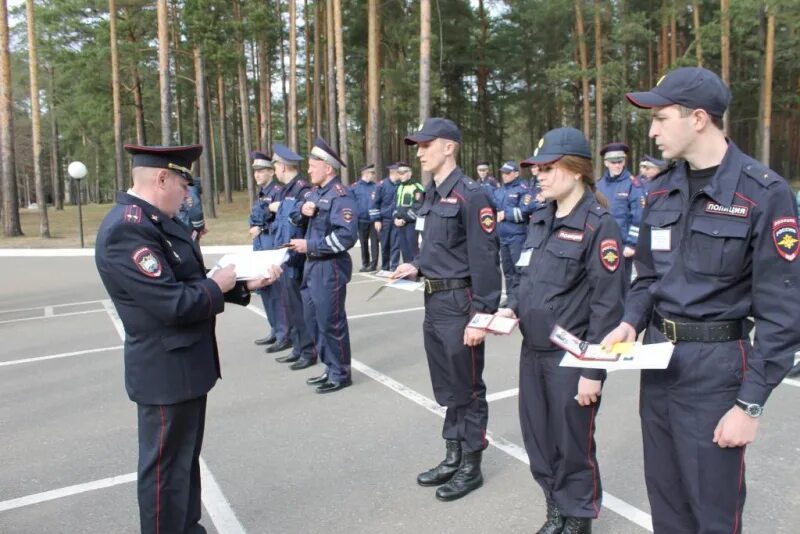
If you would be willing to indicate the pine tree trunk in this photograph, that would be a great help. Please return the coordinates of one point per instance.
(55, 160)
(11, 225)
(244, 107)
(424, 60)
(673, 36)
(725, 52)
(308, 83)
(175, 32)
(598, 60)
(698, 41)
(293, 75)
(330, 81)
(163, 71)
(115, 95)
(373, 85)
(205, 138)
(138, 101)
(317, 73)
(766, 86)
(342, 101)
(36, 122)
(282, 54)
(265, 94)
(584, 61)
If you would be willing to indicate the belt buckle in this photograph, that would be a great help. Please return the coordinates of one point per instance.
(428, 286)
(664, 330)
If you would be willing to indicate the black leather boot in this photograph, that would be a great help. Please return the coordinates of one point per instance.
(577, 525)
(555, 521)
(446, 468)
(467, 478)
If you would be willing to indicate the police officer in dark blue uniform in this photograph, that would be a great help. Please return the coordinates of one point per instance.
(485, 179)
(191, 212)
(514, 204)
(408, 199)
(459, 259)
(153, 271)
(364, 192)
(329, 211)
(718, 244)
(625, 197)
(261, 219)
(649, 168)
(381, 216)
(570, 276)
(294, 190)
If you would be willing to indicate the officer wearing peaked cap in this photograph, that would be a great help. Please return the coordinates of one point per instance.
(329, 213)
(154, 273)
(718, 244)
(261, 230)
(459, 259)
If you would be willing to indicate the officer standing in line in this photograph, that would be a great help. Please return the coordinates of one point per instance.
(153, 271)
(364, 191)
(484, 178)
(295, 188)
(649, 168)
(408, 199)
(329, 210)
(381, 216)
(570, 276)
(625, 197)
(459, 259)
(191, 212)
(514, 204)
(718, 244)
(261, 231)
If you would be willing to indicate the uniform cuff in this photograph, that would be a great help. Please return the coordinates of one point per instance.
(753, 393)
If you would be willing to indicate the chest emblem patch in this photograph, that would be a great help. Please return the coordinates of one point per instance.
(785, 236)
(147, 262)
(609, 254)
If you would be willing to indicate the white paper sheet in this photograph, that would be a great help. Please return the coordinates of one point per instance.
(252, 264)
(655, 356)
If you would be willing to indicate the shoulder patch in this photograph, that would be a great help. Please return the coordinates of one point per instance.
(340, 190)
(785, 237)
(486, 217)
(132, 214)
(347, 214)
(609, 254)
(147, 262)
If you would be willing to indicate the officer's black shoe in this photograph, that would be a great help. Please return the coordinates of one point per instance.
(364, 269)
(555, 521)
(289, 358)
(302, 363)
(446, 468)
(317, 380)
(265, 340)
(577, 525)
(280, 346)
(467, 478)
(373, 268)
(330, 386)
(795, 371)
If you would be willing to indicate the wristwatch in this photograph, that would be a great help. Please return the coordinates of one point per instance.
(751, 409)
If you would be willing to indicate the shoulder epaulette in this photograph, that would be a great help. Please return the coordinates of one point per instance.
(470, 184)
(761, 173)
(340, 190)
(132, 214)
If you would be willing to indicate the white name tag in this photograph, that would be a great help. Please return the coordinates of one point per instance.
(660, 239)
(420, 224)
(524, 258)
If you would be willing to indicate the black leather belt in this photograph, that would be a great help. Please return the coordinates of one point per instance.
(444, 284)
(710, 331)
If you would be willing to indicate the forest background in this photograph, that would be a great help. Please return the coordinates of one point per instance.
(235, 75)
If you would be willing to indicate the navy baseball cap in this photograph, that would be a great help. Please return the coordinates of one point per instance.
(260, 160)
(435, 128)
(691, 87)
(509, 166)
(323, 151)
(284, 154)
(650, 161)
(559, 143)
(174, 158)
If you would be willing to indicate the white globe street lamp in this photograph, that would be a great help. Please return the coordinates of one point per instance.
(77, 170)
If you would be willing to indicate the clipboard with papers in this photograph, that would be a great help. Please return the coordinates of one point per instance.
(580, 353)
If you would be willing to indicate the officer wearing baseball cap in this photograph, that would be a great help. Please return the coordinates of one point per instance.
(489, 182)
(459, 260)
(364, 191)
(649, 167)
(718, 244)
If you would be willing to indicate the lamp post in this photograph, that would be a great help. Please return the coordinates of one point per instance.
(77, 171)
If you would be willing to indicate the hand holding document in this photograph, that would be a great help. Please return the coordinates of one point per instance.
(493, 324)
(583, 354)
(252, 265)
(400, 283)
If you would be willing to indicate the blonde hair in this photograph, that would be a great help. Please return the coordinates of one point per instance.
(583, 167)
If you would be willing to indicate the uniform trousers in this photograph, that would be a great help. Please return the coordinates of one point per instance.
(324, 291)
(559, 433)
(456, 370)
(390, 253)
(368, 238)
(302, 343)
(693, 485)
(509, 256)
(407, 242)
(170, 438)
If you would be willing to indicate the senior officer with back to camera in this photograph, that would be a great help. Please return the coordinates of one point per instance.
(718, 245)
(154, 273)
(460, 261)
(329, 212)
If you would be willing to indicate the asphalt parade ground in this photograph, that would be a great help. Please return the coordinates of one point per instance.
(278, 458)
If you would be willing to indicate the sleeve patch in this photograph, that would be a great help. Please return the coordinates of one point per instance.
(784, 234)
(486, 217)
(347, 214)
(609, 254)
(147, 262)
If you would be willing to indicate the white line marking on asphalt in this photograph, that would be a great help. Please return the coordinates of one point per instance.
(62, 355)
(791, 382)
(48, 311)
(502, 394)
(66, 492)
(57, 316)
(258, 311)
(217, 506)
(52, 306)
